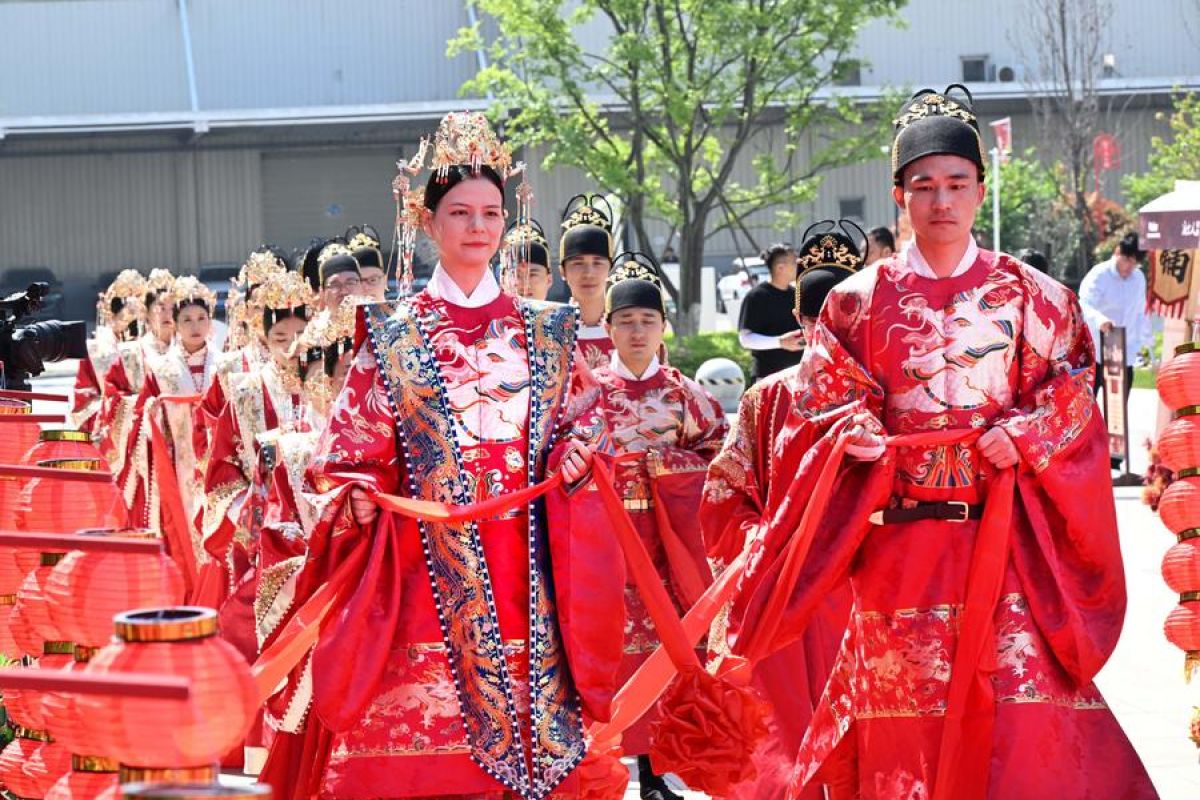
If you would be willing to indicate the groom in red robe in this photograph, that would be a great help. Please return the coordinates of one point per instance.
(947, 390)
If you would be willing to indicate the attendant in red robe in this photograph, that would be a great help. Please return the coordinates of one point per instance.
(170, 392)
(124, 378)
(260, 402)
(119, 313)
(981, 549)
(525, 261)
(244, 349)
(585, 253)
(445, 671)
(654, 410)
(747, 484)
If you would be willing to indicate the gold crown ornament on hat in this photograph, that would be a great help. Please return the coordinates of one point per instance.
(463, 138)
(332, 249)
(585, 209)
(358, 238)
(831, 248)
(518, 243)
(927, 104)
(633, 266)
(187, 289)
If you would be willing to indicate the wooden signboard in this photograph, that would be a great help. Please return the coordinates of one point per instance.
(1113, 394)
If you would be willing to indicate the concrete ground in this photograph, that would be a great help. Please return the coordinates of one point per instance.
(1143, 680)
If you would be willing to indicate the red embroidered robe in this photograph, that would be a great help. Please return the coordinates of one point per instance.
(227, 365)
(459, 684)
(171, 375)
(260, 403)
(89, 380)
(748, 482)
(595, 346)
(679, 427)
(1000, 344)
(122, 383)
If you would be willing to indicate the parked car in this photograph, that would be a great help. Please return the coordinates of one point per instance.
(17, 279)
(218, 276)
(733, 288)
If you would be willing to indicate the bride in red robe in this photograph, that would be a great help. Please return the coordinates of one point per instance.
(445, 672)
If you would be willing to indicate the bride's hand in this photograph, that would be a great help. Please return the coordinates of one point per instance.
(363, 506)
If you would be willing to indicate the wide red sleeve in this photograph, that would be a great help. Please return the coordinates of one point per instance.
(86, 396)
(226, 484)
(1065, 544)
(734, 494)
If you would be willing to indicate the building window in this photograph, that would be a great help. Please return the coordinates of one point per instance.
(854, 208)
(850, 74)
(974, 69)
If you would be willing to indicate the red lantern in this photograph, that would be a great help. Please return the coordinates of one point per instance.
(61, 714)
(63, 445)
(148, 735)
(1179, 378)
(1179, 444)
(8, 645)
(47, 763)
(12, 760)
(1181, 566)
(1183, 630)
(89, 779)
(17, 434)
(46, 505)
(1179, 507)
(86, 590)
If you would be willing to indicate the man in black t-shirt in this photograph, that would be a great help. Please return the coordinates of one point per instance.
(768, 326)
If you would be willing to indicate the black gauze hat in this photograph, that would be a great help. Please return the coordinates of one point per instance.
(587, 228)
(334, 259)
(936, 124)
(363, 242)
(305, 262)
(828, 256)
(634, 282)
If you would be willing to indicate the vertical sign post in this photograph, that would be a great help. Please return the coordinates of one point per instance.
(1113, 394)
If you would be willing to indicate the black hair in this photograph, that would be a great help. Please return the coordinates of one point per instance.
(775, 251)
(274, 315)
(438, 186)
(116, 304)
(1035, 259)
(1129, 248)
(178, 308)
(883, 237)
(152, 296)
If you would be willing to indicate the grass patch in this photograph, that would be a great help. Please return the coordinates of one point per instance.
(1145, 379)
(687, 353)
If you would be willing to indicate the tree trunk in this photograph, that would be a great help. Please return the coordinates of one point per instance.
(691, 258)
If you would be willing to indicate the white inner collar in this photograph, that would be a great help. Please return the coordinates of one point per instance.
(443, 287)
(622, 371)
(917, 263)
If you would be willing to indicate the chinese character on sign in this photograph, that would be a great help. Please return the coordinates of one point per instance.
(1175, 263)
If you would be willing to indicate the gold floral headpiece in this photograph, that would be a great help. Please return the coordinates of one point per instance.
(160, 280)
(188, 289)
(463, 138)
(283, 290)
(828, 245)
(130, 288)
(258, 267)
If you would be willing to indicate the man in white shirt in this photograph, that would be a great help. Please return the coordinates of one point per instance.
(1113, 295)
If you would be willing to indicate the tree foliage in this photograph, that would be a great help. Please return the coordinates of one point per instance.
(1034, 211)
(661, 101)
(1177, 159)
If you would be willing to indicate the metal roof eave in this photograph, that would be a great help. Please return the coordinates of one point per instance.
(202, 121)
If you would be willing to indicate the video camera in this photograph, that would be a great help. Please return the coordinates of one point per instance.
(25, 349)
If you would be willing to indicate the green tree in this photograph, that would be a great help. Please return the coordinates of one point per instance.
(1033, 211)
(1169, 160)
(675, 94)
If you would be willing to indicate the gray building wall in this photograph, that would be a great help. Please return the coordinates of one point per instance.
(86, 202)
